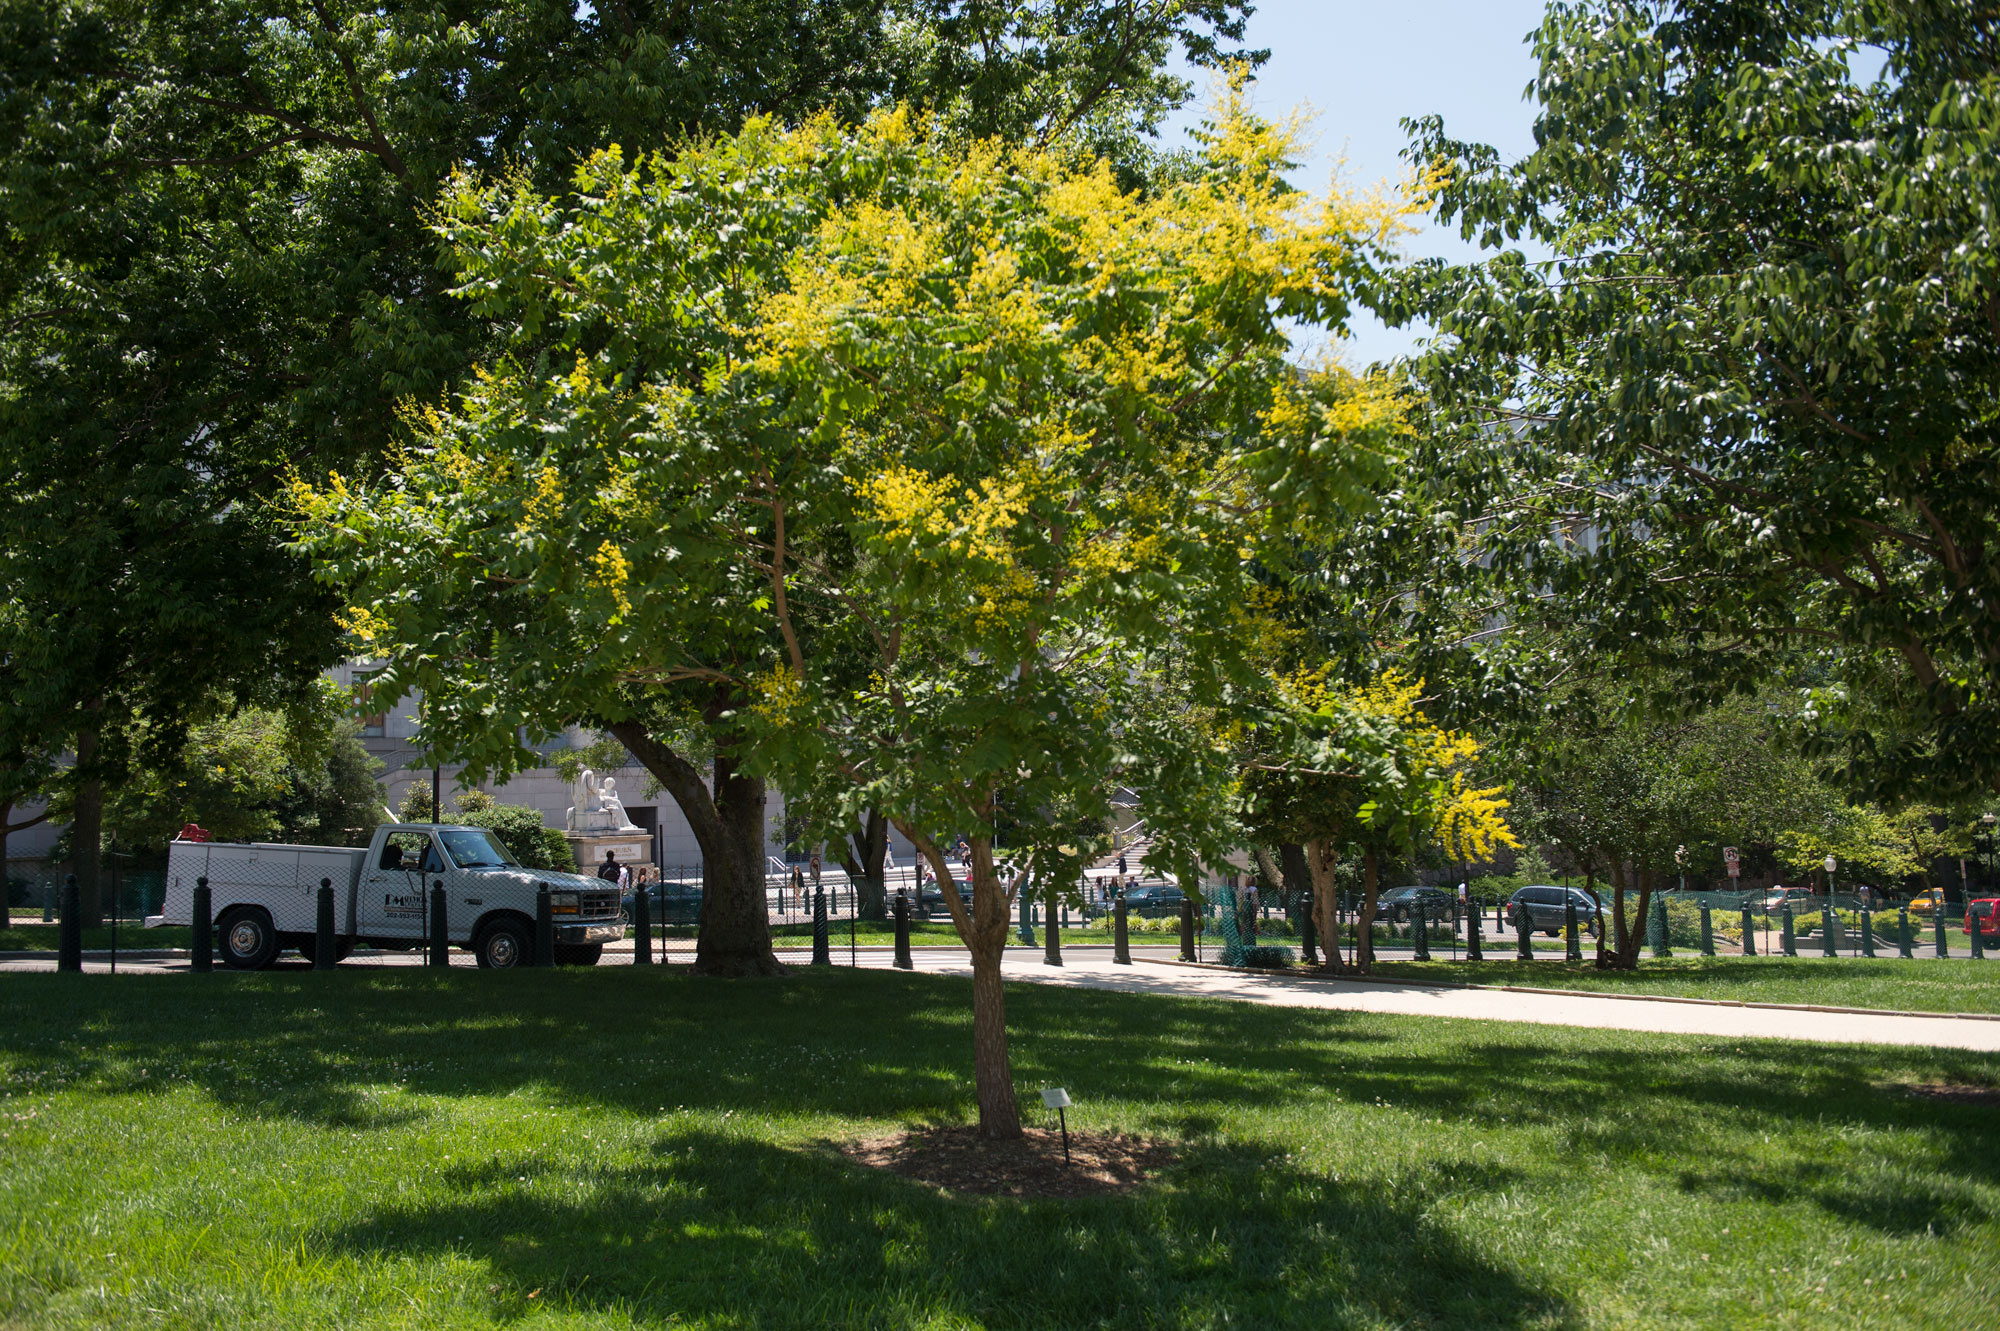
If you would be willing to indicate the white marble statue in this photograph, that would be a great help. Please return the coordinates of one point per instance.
(597, 807)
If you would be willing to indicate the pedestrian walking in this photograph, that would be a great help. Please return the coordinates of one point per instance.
(609, 870)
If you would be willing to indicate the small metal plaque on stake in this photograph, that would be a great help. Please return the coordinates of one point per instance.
(1057, 1098)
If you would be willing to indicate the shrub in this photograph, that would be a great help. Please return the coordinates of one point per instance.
(520, 829)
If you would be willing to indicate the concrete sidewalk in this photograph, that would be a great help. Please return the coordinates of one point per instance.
(1421, 1000)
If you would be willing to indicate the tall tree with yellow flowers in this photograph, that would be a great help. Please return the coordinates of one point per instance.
(1345, 769)
(939, 454)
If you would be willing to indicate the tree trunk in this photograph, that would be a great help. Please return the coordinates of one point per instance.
(1296, 873)
(734, 939)
(862, 858)
(1320, 862)
(86, 833)
(1620, 957)
(6, 903)
(983, 929)
(1590, 886)
(1636, 937)
(1371, 881)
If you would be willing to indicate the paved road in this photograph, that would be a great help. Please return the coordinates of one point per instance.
(1155, 973)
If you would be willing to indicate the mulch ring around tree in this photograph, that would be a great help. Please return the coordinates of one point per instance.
(1953, 1091)
(959, 1160)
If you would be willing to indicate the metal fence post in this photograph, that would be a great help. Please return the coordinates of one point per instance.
(1524, 948)
(1749, 932)
(1187, 928)
(201, 952)
(1707, 932)
(1867, 932)
(545, 927)
(822, 953)
(1905, 945)
(1573, 945)
(69, 928)
(323, 940)
(903, 959)
(1121, 942)
(440, 949)
(1420, 935)
(1787, 939)
(642, 926)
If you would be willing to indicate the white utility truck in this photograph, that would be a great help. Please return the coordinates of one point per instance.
(264, 898)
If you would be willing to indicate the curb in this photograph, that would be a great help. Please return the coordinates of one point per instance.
(1584, 993)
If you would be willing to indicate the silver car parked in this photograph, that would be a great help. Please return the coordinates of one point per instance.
(1544, 906)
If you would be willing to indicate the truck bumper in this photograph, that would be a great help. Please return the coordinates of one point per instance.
(609, 932)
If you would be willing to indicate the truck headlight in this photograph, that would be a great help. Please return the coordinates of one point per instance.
(562, 903)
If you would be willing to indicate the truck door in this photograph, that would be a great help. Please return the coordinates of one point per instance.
(393, 886)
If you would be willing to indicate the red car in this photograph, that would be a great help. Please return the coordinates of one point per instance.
(1986, 910)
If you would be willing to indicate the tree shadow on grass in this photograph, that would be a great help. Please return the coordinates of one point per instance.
(731, 1230)
(341, 1051)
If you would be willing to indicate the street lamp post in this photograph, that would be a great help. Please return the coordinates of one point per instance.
(1826, 916)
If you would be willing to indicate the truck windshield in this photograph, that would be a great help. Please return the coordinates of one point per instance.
(477, 850)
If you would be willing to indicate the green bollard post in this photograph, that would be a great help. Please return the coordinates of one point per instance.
(1473, 950)
(1707, 932)
(440, 949)
(1420, 935)
(1187, 929)
(822, 942)
(545, 927)
(1787, 939)
(324, 943)
(1572, 945)
(1749, 932)
(903, 961)
(69, 928)
(1943, 948)
(1867, 932)
(1308, 931)
(201, 956)
(1121, 940)
(1972, 931)
(1656, 927)
(1524, 950)
(642, 925)
(1828, 925)
(1905, 944)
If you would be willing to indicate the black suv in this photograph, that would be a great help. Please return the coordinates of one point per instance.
(667, 903)
(1544, 906)
(1153, 901)
(1399, 905)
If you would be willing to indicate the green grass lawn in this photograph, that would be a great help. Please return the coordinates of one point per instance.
(620, 1148)
(34, 936)
(1928, 985)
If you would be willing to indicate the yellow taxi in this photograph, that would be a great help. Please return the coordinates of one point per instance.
(1927, 901)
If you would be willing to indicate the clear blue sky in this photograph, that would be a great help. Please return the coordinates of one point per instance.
(1364, 66)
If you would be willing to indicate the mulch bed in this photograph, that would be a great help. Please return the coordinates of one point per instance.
(1960, 1094)
(959, 1160)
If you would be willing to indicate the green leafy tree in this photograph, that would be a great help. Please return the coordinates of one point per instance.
(217, 270)
(927, 453)
(1748, 402)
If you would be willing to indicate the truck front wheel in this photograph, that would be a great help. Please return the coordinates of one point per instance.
(502, 944)
(249, 943)
(578, 954)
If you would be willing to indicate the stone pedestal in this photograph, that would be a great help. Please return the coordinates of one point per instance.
(634, 848)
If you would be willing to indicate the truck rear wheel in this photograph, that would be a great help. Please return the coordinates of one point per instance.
(578, 954)
(249, 942)
(502, 944)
